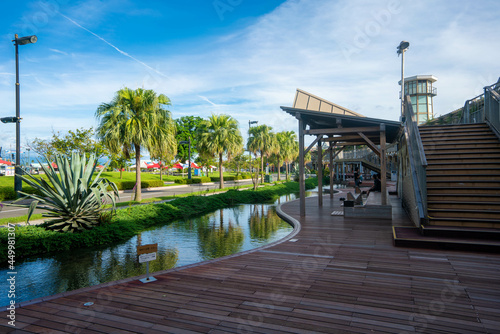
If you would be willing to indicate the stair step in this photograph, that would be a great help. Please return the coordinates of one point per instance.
(463, 197)
(442, 131)
(461, 232)
(457, 190)
(461, 172)
(404, 236)
(463, 160)
(495, 143)
(463, 177)
(465, 222)
(437, 150)
(452, 126)
(459, 138)
(464, 213)
(469, 165)
(463, 205)
(463, 183)
(458, 154)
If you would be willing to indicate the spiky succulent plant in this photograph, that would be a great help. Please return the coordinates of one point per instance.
(72, 199)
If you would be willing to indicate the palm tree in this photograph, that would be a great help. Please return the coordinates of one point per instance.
(288, 148)
(261, 140)
(136, 119)
(220, 135)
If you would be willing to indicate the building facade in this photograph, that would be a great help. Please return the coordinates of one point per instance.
(421, 90)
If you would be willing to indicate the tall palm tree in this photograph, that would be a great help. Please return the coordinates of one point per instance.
(220, 135)
(136, 119)
(261, 140)
(288, 148)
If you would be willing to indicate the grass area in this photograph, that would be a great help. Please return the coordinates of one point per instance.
(151, 200)
(31, 240)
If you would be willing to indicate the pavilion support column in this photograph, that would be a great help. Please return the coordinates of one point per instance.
(330, 169)
(320, 173)
(302, 181)
(383, 165)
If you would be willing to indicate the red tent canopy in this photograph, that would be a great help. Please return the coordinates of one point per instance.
(193, 165)
(154, 165)
(177, 165)
(5, 162)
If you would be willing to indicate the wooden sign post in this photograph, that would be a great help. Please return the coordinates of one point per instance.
(147, 253)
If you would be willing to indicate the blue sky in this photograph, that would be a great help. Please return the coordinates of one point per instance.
(239, 57)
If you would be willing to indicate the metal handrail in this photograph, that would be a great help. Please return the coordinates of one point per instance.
(478, 109)
(418, 161)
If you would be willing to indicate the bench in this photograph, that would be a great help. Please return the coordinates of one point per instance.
(371, 208)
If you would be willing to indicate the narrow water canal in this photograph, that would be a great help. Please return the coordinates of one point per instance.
(220, 233)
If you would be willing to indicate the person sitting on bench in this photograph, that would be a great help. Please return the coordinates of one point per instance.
(377, 186)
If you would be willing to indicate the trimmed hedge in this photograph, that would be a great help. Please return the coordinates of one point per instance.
(31, 240)
(195, 180)
(126, 185)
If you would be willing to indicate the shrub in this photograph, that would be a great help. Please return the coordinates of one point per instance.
(7, 193)
(71, 199)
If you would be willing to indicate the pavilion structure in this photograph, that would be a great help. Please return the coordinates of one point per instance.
(340, 128)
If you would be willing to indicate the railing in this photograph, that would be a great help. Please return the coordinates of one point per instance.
(418, 162)
(492, 105)
(483, 108)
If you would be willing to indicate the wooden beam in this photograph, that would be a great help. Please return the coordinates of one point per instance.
(312, 144)
(334, 131)
(383, 166)
(320, 173)
(330, 148)
(369, 143)
(338, 152)
(302, 184)
(350, 137)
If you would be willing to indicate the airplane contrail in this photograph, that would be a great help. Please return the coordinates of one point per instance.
(114, 47)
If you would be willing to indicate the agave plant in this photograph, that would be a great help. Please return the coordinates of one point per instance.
(72, 200)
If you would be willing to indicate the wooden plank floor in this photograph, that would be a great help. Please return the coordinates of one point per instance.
(336, 275)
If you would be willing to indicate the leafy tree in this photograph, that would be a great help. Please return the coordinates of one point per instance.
(119, 161)
(136, 119)
(238, 161)
(80, 141)
(261, 140)
(219, 135)
(288, 148)
(187, 127)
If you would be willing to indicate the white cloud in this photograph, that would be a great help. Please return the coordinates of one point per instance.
(344, 51)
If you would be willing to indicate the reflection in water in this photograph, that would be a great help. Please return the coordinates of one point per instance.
(220, 233)
(216, 240)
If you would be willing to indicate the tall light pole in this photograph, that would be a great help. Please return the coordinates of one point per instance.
(402, 47)
(189, 155)
(18, 183)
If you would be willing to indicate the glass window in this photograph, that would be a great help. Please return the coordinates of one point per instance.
(422, 118)
(422, 99)
(422, 108)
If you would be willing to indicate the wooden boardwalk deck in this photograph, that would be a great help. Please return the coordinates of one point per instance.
(335, 275)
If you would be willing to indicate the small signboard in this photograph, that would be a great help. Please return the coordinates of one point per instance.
(145, 249)
(147, 257)
(147, 253)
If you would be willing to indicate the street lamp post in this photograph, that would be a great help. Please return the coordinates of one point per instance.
(189, 155)
(402, 47)
(18, 183)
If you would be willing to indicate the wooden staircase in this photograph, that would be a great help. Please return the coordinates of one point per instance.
(463, 180)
